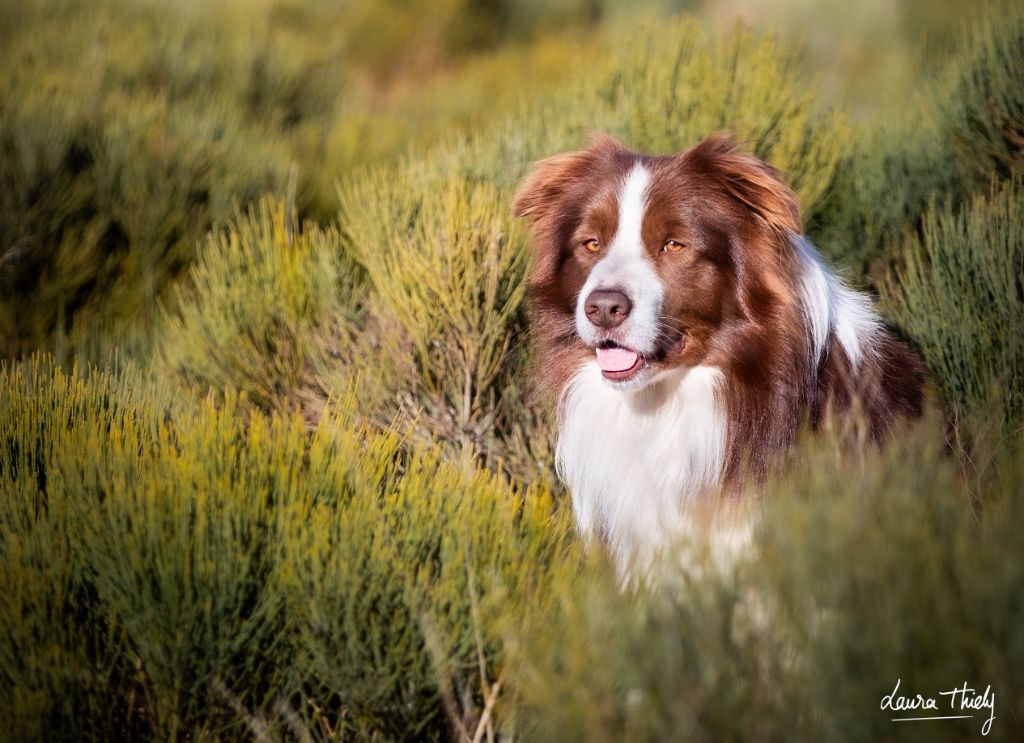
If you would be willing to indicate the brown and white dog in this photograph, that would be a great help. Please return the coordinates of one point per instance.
(687, 328)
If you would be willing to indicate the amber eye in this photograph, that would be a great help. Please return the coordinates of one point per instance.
(592, 245)
(673, 246)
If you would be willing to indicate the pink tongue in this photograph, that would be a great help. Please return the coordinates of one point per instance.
(616, 359)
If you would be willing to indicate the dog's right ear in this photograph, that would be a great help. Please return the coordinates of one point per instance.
(552, 177)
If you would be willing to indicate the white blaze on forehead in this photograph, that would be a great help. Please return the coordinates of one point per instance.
(632, 205)
(627, 267)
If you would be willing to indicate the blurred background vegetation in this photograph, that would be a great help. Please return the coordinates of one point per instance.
(270, 462)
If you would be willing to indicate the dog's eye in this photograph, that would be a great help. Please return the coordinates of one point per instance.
(672, 246)
(592, 245)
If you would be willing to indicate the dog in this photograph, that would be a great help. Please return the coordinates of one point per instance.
(687, 329)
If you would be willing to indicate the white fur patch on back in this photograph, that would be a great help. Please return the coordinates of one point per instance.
(634, 460)
(831, 306)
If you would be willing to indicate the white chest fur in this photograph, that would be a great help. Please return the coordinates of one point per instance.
(636, 461)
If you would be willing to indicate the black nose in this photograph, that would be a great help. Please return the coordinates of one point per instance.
(607, 308)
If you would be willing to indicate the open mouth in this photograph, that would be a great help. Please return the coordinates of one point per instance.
(617, 362)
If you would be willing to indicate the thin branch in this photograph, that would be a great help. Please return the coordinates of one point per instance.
(444, 682)
(260, 728)
(485, 718)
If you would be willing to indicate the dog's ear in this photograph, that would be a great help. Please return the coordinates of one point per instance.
(749, 180)
(540, 192)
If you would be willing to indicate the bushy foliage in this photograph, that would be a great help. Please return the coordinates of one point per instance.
(105, 202)
(986, 106)
(742, 82)
(884, 184)
(960, 298)
(121, 147)
(259, 290)
(446, 264)
(937, 148)
(129, 129)
(216, 572)
(866, 569)
(703, 82)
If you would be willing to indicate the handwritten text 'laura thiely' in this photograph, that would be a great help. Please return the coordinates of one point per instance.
(960, 699)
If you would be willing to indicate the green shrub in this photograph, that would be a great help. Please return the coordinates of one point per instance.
(943, 146)
(882, 190)
(865, 570)
(986, 105)
(219, 572)
(447, 263)
(892, 566)
(960, 299)
(421, 113)
(59, 661)
(259, 289)
(104, 206)
(753, 85)
(130, 129)
(116, 157)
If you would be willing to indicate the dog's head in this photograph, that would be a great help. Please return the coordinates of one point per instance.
(646, 263)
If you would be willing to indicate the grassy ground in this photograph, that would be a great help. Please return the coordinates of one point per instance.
(268, 464)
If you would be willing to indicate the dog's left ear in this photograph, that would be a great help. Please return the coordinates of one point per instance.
(748, 180)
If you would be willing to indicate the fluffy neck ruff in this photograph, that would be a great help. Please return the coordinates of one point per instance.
(634, 461)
